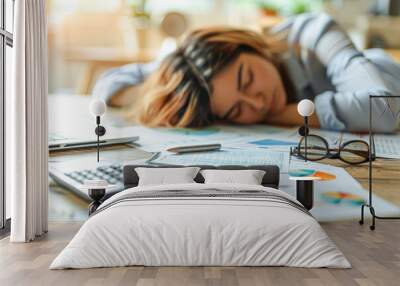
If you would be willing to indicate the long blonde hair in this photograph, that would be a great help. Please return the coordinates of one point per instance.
(178, 93)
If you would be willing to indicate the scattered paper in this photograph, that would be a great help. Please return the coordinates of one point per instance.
(345, 183)
(240, 137)
(386, 146)
(252, 137)
(228, 157)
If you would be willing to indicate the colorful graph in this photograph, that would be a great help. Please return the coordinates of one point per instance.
(342, 198)
(272, 142)
(311, 174)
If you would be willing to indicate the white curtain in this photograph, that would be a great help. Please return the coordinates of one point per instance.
(26, 124)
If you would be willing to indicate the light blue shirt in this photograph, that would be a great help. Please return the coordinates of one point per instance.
(339, 78)
(329, 70)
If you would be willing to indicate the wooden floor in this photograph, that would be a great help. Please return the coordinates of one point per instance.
(375, 257)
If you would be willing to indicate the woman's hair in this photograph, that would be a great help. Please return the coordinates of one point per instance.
(178, 93)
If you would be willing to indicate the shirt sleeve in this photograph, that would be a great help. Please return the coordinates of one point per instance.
(117, 79)
(353, 76)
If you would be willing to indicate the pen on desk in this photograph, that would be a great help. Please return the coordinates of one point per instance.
(195, 148)
(153, 157)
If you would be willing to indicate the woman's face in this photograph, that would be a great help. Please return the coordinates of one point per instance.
(248, 90)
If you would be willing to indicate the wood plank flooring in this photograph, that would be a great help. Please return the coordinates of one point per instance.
(375, 257)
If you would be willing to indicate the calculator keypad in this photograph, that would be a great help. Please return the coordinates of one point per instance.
(112, 174)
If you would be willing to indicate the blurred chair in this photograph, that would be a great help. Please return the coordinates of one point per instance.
(99, 41)
(381, 31)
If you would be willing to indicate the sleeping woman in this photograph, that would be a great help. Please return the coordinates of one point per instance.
(242, 77)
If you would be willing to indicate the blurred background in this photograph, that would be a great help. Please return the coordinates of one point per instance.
(87, 37)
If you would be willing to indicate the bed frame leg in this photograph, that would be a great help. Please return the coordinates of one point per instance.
(96, 195)
(305, 193)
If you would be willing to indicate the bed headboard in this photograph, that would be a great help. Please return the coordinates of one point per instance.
(270, 179)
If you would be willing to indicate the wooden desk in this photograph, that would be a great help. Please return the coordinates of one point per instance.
(386, 177)
(69, 115)
(386, 173)
(65, 206)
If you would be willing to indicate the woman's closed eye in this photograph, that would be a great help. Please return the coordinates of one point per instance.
(243, 85)
(250, 76)
(233, 112)
(236, 110)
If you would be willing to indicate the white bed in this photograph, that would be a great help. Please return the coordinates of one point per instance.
(259, 226)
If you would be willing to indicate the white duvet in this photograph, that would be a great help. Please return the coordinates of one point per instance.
(190, 231)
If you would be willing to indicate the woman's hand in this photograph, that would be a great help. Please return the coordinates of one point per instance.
(125, 97)
(290, 117)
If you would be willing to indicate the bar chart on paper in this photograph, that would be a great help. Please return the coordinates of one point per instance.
(228, 157)
(387, 146)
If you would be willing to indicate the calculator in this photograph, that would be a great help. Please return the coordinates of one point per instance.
(74, 179)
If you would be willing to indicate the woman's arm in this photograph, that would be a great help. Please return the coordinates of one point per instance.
(290, 117)
(353, 76)
(117, 86)
(124, 97)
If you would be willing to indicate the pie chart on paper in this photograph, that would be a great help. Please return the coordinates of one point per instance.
(310, 174)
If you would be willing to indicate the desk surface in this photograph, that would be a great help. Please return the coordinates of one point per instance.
(386, 177)
(64, 205)
(386, 172)
(69, 116)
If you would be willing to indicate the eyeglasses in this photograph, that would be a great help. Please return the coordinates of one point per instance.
(352, 152)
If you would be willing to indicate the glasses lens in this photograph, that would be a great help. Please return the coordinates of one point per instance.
(316, 148)
(354, 152)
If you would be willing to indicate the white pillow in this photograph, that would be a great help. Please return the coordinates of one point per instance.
(248, 177)
(166, 176)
